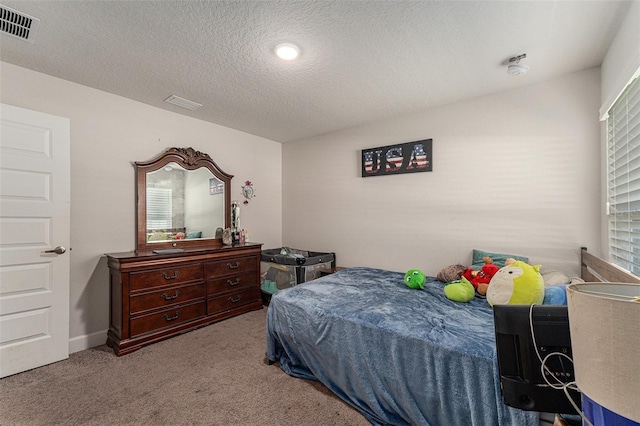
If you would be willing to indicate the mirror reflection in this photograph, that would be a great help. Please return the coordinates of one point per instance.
(183, 204)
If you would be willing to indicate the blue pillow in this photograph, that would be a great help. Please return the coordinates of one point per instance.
(555, 295)
(194, 234)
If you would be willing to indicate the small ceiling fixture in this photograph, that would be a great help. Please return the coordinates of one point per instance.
(287, 51)
(515, 67)
(182, 102)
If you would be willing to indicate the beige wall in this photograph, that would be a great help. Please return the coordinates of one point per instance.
(515, 172)
(622, 60)
(620, 65)
(108, 132)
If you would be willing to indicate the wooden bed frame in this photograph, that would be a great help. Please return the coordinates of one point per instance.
(594, 269)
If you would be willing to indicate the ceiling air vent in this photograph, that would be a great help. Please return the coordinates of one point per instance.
(182, 102)
(18, 24)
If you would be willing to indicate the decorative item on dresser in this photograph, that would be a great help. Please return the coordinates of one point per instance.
(176, 282)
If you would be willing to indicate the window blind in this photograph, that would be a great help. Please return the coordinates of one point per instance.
(159, 208)
(623, 175)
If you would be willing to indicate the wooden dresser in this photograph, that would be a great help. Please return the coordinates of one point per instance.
(156, 296)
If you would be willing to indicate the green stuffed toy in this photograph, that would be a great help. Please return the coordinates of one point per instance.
(414, 278)
(460, 291)
(516, 284)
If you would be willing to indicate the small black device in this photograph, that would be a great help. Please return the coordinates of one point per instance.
(521, 380)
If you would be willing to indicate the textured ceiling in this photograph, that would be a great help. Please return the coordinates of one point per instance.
(362, 61)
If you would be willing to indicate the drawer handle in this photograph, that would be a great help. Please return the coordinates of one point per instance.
(236, 266)
(236, 282)
(168, 318)
(232, 300)
(167, 277)
(175, 295)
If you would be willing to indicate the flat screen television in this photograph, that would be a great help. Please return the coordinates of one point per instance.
(521, 380)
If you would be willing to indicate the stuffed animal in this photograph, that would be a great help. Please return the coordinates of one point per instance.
(414, 278)
(480, 279)
(451, 273)
(516, 284)
(459, 291)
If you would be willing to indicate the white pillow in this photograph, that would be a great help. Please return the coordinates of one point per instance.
(552, 277)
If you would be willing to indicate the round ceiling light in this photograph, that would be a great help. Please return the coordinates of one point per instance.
(287, 51)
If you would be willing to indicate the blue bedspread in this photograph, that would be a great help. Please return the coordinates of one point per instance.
(400, 356)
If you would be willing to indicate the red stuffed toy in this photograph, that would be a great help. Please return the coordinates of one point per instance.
(480, 279)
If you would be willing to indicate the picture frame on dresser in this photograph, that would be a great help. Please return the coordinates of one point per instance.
(171, 284)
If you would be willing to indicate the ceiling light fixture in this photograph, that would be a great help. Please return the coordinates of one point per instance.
(287, 51)
(515, 67)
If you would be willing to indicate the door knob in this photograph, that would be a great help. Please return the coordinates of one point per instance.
(57, 250)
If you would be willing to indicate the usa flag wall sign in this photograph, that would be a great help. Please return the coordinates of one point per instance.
(410, 157)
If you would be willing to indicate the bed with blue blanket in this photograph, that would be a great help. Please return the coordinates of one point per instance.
(398, 355)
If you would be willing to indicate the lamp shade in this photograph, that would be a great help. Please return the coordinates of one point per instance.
(604, 321)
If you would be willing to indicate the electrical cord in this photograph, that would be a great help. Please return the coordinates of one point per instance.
(560, 384)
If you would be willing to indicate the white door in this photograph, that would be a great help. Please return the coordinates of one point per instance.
(34, 220)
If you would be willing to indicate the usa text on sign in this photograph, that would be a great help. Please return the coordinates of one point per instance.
(410, 157)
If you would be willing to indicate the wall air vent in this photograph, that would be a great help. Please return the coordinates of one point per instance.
(18, 24)
(182, 102)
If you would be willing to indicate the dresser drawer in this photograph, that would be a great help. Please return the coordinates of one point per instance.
(170, 275)
(233, 300)
(167, 318)
(236, 265)
(161, 298)
(232, 283)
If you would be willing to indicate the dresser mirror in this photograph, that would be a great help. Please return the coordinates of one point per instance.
(183, 197)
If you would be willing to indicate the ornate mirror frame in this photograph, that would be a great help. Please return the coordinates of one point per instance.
(189, 159)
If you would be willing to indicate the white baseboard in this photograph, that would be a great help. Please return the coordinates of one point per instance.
(86, 341)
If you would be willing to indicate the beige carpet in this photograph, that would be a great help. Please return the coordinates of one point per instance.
(216, 375)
